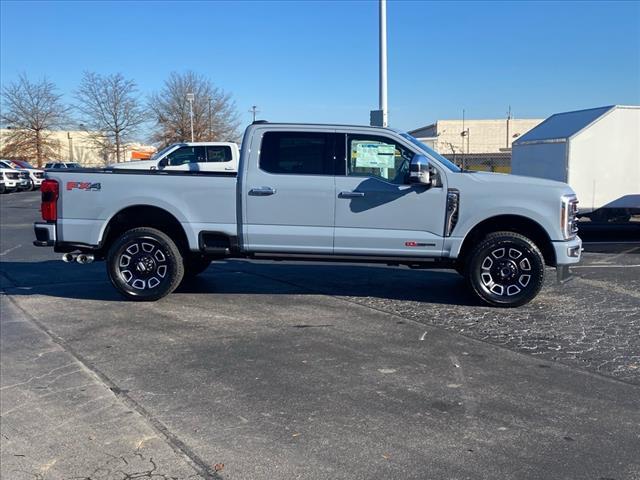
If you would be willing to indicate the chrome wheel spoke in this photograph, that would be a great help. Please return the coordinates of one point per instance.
(125, 260)
(133, 249)
(148, 247)
(498, 253)
(524, 280)
(514, 253)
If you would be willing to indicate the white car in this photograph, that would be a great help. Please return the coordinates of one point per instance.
(9, 180)
(193, 156)
(36, 175)
(24, 180)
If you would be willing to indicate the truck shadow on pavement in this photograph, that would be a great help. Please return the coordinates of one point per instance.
(89, 282)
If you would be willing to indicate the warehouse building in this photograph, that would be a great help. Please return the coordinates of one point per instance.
(476, 144)
(80, 146)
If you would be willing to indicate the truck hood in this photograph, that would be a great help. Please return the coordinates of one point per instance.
(514, 180)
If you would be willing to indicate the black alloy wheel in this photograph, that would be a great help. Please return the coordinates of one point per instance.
(144, 264)
(505, 270)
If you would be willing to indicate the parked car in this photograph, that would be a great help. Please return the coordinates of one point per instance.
(24, 179)
(61, 165)
(194, 156)
(36, 176)
(315, 192)
(10, 180)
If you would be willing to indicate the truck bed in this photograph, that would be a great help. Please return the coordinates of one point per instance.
(89, 198)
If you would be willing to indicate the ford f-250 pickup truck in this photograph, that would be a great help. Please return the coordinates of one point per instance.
(315, 192)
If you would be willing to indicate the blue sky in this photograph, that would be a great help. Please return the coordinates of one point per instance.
(317, 61)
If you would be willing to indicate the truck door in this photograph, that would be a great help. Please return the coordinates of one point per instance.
(289, 192)
(377, 211)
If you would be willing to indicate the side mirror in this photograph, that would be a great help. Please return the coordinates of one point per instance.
(419, 170)
(163, 163)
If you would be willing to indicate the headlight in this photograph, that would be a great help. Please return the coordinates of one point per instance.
(569, 216)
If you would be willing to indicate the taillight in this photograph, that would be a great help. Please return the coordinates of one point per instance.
(49, 208)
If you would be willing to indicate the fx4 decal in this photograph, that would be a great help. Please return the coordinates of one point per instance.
(86, 186)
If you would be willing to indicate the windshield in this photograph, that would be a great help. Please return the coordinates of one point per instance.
(159, 153)
(446, 163)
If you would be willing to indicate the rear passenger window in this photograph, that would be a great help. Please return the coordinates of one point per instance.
(186, 155)
(297, 153)
(218, 153)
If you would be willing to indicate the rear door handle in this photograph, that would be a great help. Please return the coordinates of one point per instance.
(262, 191)
(350, 194)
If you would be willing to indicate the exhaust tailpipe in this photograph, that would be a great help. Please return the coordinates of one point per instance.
(84, 258)
(68, 258)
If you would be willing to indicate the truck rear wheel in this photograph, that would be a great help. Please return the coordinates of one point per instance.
(505, 270)
(144, 264)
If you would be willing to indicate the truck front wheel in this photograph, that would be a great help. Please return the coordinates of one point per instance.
(144, 264)
(505, 269)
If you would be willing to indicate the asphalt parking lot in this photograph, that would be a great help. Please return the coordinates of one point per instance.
(267, 370)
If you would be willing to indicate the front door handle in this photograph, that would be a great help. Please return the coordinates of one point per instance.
(351, 194)
(262, 191)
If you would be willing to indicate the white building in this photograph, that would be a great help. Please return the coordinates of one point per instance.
(473, 136)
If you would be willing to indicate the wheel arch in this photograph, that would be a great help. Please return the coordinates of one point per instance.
(143, 215)
(510, 223)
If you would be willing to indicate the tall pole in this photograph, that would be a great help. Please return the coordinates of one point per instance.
(190, 98)
(383, 61)
(508, 120)
(210, 122)
(254, 110)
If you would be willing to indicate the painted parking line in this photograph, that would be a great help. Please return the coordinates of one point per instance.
(604, 266)
(9, 250)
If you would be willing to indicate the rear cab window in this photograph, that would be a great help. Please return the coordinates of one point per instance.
(218, 153)
(298, 153)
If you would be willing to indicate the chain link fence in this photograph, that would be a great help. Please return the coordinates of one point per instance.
(489, 162)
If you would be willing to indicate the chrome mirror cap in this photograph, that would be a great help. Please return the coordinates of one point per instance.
(419, 170)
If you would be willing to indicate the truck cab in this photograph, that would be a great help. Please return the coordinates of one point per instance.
(192, 156)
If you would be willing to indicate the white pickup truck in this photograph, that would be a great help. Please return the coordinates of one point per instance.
(321, 193)
(192, 156)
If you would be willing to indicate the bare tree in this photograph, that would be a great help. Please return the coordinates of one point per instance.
(110, 108)
(30, 111)
(215, 117)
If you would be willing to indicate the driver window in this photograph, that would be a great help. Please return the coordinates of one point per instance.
(381, 157)
(186, 155)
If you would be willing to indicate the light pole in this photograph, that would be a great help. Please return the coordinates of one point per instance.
(379, 118)
(383, 61)
(191, 97)
(254, 110)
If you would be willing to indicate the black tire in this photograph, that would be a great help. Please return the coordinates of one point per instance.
(194, 265)
(144, 264)
(32, 185)
(2, 189)
(505, 269)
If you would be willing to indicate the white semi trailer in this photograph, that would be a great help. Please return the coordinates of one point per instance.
(595, 151)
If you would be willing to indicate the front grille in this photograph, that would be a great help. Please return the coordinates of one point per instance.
(12, 175)
(39, 175)
(24, 174)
